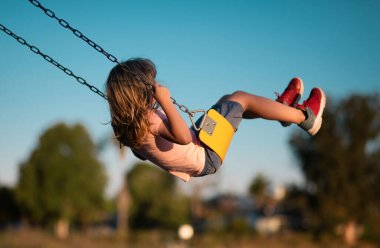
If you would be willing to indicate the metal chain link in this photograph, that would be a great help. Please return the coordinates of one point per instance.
(109, 56)
(76, 32)
(49, 59)
(65, 24)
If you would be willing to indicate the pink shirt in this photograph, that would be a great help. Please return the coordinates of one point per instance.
(182, 161)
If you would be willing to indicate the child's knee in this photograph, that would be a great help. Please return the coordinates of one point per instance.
(238, 93)
(241, 97)
(223, 98)
(236, 96)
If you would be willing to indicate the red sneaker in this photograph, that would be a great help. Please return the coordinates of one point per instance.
(291, 95)
(313, 109)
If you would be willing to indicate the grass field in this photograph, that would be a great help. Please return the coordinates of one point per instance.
(32, 238)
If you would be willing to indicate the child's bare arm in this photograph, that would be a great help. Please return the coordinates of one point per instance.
(175, 129)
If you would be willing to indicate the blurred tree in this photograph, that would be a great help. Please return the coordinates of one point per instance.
(340, 171)
(9, 210)
(122, 200)
(62, 180)
(258, 189)
(155, 199)
(373, 222)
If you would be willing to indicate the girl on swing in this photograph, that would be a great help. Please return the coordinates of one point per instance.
(161, 136)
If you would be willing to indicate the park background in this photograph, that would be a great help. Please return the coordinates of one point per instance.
(202, 50)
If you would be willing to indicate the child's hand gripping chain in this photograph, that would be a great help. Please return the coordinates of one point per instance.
(175, 128)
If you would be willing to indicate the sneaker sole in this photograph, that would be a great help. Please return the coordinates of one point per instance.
(318, 120)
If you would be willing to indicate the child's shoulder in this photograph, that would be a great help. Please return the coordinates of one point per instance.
(156, 118)
(157, 115)
(157, 112)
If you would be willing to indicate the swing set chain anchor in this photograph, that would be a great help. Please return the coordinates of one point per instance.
(191, 114)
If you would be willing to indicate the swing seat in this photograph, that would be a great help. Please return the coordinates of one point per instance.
(216, 132)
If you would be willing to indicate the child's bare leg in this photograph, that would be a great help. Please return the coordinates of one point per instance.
(261, 107)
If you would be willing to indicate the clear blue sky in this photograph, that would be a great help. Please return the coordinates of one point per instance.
(202, 49)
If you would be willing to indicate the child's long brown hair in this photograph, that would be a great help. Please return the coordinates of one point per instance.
(130, 99)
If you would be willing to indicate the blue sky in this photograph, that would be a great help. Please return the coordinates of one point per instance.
(202, 49)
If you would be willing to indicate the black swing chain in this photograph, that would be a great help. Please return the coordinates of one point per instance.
(98, 48)
(109, 56)
(76, 32)
(49, 59)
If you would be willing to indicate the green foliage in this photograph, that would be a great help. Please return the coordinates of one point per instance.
(341, 163)
(9, 211)
(62, 177)
(155, 201)
(259, 186)
(258, 189)
(239, 226)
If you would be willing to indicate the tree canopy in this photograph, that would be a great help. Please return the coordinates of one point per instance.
(62, 178)
(258, 189)
(341, 164)
(155, 199)
(9, 210)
